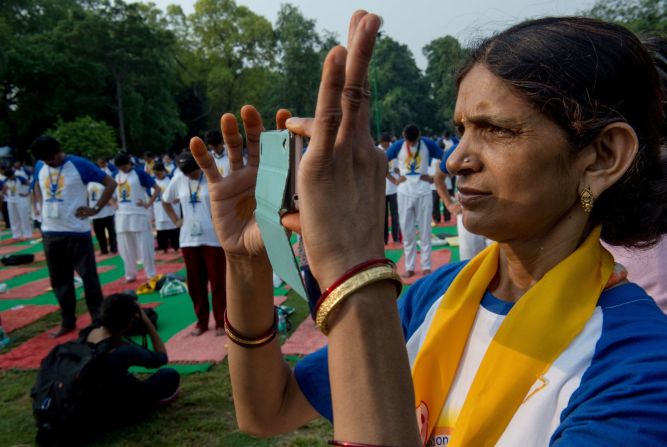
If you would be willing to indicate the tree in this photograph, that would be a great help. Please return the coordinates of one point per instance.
(402, 91)
(135, 55)
(87, 137)
(301, 52)
(638, 15)
(227, 55)
(68, 58)
(445, 57)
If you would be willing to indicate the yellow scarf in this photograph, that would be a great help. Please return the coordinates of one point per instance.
(538, 328)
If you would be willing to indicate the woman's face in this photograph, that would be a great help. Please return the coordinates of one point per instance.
(516, 175)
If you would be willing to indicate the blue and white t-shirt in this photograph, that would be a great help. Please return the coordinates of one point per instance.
(95, 191)
(133, 188)
(63, 191)
(162, 219)
(609, 387)
(197, 229)
(413, 161)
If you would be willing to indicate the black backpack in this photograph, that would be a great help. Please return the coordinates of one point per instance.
(68, 383)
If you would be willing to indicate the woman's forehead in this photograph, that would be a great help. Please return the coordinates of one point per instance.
(483, 95)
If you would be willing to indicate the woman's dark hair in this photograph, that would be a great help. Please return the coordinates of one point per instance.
(186, 162)
(45, 148)
(158, 166)
(584, 74)
(118, 311)
(122, 159)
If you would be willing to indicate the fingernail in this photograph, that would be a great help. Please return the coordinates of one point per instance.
(339, 58)
(370, 24)
(293, 121)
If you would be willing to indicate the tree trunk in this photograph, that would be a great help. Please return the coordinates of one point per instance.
(121, 111)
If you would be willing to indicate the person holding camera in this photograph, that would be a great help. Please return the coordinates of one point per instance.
(538, 340)
(128, 398)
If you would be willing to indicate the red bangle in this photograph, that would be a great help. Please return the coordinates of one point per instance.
(350, 273)
(254, 342)
(353, 444)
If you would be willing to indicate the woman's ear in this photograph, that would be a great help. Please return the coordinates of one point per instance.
(608, 157)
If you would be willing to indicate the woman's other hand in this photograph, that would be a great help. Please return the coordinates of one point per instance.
(233, 197)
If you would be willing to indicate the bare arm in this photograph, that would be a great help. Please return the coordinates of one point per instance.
(267, 398)
(169, 209)
(156, 341)
(37, 199)
(109, 188)
(441, 187)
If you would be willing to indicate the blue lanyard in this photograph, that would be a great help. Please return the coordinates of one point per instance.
(193, 195)
(54, 186)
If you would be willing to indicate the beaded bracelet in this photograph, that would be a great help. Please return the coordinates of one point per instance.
(352, 444)
(351, 285)
(347, 275)
(254, 342)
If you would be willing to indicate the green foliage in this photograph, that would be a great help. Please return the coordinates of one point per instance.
(87, 137)
(109, 60)
(301, 51)
(160, 77)
(445, 57)
(638, 15)
(402, 91)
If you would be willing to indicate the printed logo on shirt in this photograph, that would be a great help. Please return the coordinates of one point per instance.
(54, 188)
(124, 192)
(93, 194)
(413, 160)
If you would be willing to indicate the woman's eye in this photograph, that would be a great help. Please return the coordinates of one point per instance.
(500, 131)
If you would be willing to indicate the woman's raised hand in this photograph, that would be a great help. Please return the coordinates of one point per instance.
(233, 197)
(341, 176)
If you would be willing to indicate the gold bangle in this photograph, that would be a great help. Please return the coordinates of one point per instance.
(358, 281)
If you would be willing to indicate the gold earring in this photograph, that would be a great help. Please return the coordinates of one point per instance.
(586, 198)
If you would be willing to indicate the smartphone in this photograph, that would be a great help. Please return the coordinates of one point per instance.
(276, 194)
(291, 199)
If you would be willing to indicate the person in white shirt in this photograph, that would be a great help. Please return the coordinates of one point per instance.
(103, 222)
(202, 252)
(59, 185)
(217, 149)
(391, 202)
(17, 195)
(168, 232)
(415, 203)
(133, 226)
(169, 164)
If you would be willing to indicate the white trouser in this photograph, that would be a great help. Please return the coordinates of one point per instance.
(469, 243)
(135, 245)
(19, 218)
(416, 212)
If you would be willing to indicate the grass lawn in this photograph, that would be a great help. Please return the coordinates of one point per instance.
(203, 415)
